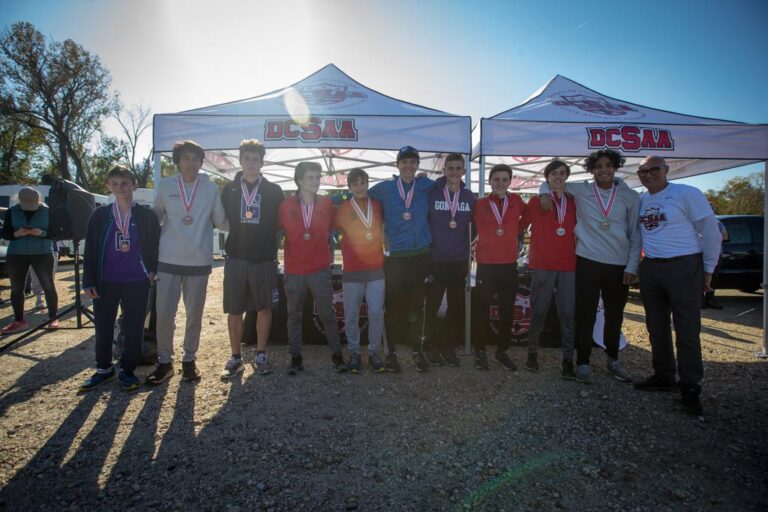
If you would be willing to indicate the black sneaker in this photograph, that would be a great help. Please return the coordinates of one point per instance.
(481, 361)
(503, 359)
(450, 358)
(532, 363)
(568, 372)
(419, 361)
(297, 365)
(374, 361)
(189, 371)
(435, 358)
(163, 372)
(655, 383)
(712, 303)
(392, 364)
(337, 360)
(355, 363)
(691, 402)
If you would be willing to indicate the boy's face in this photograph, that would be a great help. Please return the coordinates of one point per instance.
(310, 182)
(499, 182)
(454, 171)
(557, 177)
(408, 168)
(604, 171)
(359, 188)
(189, 163)
(121, 187)
(251, 162)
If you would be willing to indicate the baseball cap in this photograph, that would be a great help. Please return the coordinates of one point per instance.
(407, 152)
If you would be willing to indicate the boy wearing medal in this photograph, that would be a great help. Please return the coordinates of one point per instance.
(306, 219)
(119, 263)
(608, 244)
(404, 200)
(188, 206)
(552, 258)
(450, 216)
(497, 219)
(250, 270)
(360, 222)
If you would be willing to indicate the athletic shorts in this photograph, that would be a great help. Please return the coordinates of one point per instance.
(249, 286)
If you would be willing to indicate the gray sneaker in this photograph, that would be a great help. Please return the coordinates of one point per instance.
(233, 367)
(583, 374)
(618, 371)
(262, 364)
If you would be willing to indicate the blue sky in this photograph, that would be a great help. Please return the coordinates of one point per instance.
(704, 58)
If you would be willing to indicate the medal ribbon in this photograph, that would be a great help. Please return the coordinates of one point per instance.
(406, 198)
(559, 207)
(186, 202)
(122, 223)
(495, 209)
(605, 210)
(366, 219)
(454, 205)
(249, 196)
(306, 214)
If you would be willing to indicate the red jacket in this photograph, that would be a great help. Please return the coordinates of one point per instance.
(358, 252)
(549, 251)
(306, 256)
(491, 248)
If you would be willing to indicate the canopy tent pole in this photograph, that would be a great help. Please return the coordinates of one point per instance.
(468, 281)
(481, 185)
(764, 284)
(156, 170)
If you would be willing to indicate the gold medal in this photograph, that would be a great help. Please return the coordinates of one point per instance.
(368, 235)
(605, 225)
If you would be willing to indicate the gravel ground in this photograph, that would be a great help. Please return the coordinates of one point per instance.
(452, 439)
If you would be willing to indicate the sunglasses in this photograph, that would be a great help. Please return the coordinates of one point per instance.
(653, 171)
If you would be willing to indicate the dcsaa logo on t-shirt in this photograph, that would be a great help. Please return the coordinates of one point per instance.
(653, 218)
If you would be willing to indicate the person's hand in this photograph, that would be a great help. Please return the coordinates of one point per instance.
(35, 232)
(91, 293)
(151, 277)
(545, 203)
(628, 278)
(21, 232)
(708, 282)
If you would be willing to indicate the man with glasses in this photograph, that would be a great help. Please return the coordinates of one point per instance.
(682, 245)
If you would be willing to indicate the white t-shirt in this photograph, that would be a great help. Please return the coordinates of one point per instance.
(666, 221)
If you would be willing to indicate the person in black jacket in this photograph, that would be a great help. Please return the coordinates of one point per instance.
(250, 271)
(120, 262)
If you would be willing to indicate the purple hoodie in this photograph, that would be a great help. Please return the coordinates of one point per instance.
(449, 244)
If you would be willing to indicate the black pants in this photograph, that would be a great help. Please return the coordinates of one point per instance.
(592, 280)
(499, 280)
(404, 299)
(133, 298)
(18, 268)
(446, 277)
(674, 287)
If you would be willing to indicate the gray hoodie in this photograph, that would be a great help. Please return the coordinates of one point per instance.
(183, 245)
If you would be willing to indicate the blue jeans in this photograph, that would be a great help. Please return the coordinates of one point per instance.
(373, 291)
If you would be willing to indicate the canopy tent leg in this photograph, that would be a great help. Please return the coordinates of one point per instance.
(764, 284)
(156, 170)
(468, 282)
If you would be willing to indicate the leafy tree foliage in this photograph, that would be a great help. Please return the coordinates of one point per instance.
(741, 195)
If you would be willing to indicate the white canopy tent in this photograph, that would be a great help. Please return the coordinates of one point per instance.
(564, 119)
(327, 117)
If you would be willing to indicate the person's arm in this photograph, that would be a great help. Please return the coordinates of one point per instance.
(525, 216)
(159, 207)
(635, 240)
(710, 243)
(8, 231)
(218, 215)
(89, 273)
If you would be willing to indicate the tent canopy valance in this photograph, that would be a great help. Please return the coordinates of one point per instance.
(327, 117)
(564, 119)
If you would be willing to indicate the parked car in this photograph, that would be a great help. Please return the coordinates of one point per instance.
(741, 261)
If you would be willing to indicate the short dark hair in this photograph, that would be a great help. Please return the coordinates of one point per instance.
(303, 168)
(253, 146)
(500, 168)
(356, 174)
(616, 159)
(452, 157)
(556, 164)
(189, 146)
(121, 171)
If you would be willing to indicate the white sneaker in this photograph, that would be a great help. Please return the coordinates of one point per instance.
(618, 371)
(232, 368)
(262, 364)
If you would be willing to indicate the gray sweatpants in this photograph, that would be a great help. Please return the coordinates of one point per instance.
(319, 284)
(543, 284)
(170, 288)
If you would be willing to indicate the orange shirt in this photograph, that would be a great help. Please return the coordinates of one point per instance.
(359, 253)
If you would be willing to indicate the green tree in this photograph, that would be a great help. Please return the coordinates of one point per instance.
(741, 195)
(20, 146)
(57, 87)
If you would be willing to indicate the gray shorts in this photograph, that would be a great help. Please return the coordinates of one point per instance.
(249, 286)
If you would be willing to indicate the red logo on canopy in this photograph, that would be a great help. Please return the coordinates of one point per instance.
(630, 138)
(316, 129)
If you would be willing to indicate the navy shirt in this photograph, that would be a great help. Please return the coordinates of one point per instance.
(450, 244)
